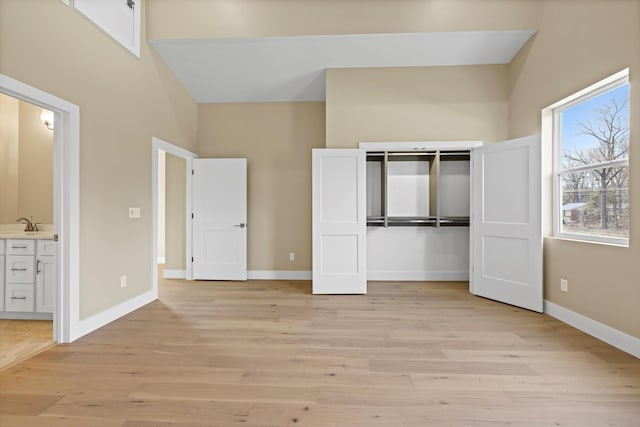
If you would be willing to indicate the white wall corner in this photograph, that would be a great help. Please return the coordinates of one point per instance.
(614, 337)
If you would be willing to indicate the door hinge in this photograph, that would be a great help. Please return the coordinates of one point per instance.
(191, 259)
(193, 172)
(192, 216)
(131, 4)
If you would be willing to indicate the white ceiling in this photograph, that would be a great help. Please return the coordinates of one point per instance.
(292, 68)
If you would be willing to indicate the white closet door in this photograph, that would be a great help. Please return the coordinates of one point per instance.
(507, 223)
(220, 219)
(339, 221)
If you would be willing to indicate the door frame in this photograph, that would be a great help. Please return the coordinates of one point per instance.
(66, 203)
(158, 144)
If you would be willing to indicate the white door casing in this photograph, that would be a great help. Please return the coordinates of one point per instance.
(220, 219)
(339, 221)
(507, 223)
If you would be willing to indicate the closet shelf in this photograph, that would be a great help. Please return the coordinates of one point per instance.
(412, 221)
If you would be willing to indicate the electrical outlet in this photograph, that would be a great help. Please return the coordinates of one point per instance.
(134, 212)
(123, 281)
(564, 285)
(292, 256)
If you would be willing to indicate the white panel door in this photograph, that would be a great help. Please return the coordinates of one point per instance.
(507, 223)
(219, 219)
(339, 221)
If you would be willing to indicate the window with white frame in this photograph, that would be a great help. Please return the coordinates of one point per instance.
(591, 163)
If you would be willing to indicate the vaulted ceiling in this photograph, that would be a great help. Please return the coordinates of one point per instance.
(292, 68)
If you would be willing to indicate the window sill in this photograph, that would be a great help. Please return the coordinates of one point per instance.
(572, 238)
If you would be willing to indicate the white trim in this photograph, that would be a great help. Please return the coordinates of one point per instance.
(86, 9)
(174, 274)
(161, 260)
(158, 144)
(598, 87)
(66, 200)
(278, 275)
(419, 146)
(414, 276)
(98, 320)
(614, 337)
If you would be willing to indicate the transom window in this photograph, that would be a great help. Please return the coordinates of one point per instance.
(591, 163)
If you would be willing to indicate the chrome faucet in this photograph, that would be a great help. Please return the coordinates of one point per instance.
(29, 226)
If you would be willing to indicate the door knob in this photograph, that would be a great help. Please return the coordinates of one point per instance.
(241, 225)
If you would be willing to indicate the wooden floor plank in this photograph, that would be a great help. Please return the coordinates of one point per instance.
(270, 354)
(20, 339)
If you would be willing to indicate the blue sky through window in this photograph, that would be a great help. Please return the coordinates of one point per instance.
(583, 112)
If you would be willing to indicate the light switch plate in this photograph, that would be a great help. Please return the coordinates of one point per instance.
(134, 212)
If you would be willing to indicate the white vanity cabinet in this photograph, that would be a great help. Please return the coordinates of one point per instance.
(46, 275)
(19, 275)
(28, 277)
(2, 251)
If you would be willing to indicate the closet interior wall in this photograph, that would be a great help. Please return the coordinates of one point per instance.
(418, 209)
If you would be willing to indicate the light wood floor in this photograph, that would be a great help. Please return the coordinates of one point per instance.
(20, 339)
(270, 354)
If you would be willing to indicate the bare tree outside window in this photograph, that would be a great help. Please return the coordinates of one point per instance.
(595, 165)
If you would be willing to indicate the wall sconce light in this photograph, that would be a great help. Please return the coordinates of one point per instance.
(46, 117)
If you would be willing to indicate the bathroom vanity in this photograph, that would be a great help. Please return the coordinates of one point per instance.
(27, 274)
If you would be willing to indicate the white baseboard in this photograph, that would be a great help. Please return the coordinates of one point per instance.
(616, 338)
(278, 275)
(161, 260)
(412, 276)
(174, 274)
(96, 321)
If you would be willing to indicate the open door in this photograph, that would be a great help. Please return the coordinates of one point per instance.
(339, 221)
(507, 223)
(219, 219)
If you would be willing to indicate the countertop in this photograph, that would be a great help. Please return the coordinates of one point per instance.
(16, 231)
(26, 234)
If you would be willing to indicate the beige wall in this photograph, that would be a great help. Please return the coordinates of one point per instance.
(254, 18)
(417, 104)
(123, 101)
(9, 117)
(578, 44)
(35, 166)
(26, 163)
(276, 139)
(175, 211)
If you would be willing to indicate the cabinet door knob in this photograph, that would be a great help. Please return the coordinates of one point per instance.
(38, 267)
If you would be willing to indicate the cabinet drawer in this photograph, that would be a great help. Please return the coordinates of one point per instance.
(20, 269)
(21, 247)
(1, 246)
(46, 247)
(18, 297)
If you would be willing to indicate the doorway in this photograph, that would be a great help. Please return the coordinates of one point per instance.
(171, 207)
(65, 224)
(26, 221)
